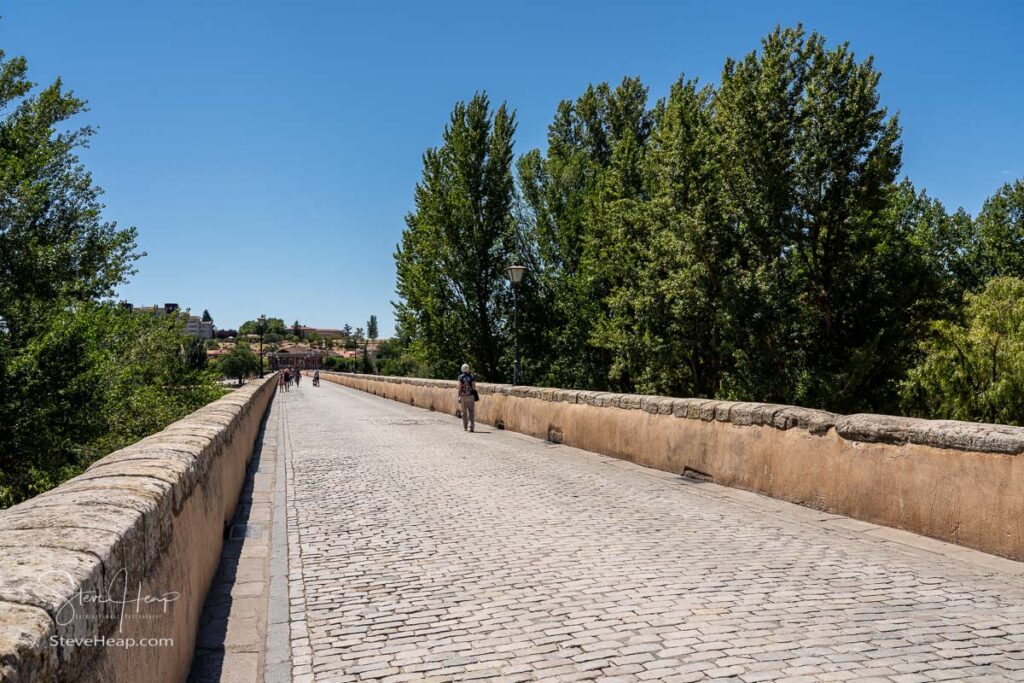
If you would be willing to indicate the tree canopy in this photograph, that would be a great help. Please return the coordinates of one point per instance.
(458, 241)
(80, 376)
(750, 241)
(272, 326)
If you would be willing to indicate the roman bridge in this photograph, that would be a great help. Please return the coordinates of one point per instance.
(354, 531)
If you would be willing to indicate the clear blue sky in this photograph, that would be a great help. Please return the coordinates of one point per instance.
(267, 151)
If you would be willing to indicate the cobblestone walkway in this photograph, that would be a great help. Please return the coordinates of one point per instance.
(419, 552)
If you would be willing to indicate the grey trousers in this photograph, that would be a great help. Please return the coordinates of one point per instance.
(468, 411)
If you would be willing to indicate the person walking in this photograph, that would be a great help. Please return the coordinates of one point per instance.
(298, 376)
(467, 396)
(316, 378)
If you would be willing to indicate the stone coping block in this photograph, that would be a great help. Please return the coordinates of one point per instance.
(126, 550)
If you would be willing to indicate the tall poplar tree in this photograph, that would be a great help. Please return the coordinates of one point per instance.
(664, 323)
(810, 158)
(457, 243)
(575, 199)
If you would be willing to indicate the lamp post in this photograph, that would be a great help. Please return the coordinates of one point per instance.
(262, 328)
(515, 276)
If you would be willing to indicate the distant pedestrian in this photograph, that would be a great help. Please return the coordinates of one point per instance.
(298, 375)
(467, 396)
(283, 374)
(316, 378)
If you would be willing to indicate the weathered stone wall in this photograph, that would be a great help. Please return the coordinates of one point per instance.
(957, 481)
(125, 551)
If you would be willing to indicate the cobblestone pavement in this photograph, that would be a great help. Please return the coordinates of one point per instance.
(420, 552)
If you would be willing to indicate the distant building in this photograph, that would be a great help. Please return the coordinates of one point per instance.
(194, 325)
(296, 357)
(197, 327)
(324, 332)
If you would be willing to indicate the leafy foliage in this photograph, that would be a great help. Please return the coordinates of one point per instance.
(239, 363)
(458, 241)
(751, 241)
(86, 379)
(78, 377)
(1000, 228)
(974, 370)
(195, 353)
(273, 326)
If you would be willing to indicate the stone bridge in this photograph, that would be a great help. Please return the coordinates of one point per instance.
(354, 531)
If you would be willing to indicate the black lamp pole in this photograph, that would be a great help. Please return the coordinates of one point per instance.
(515, 275)
(515, 334)
(263, 324)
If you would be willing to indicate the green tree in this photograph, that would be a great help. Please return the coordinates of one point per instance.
(195, 353)
(79, 377)
(57, 257)
(669, 258)
(151, 383)
(748, 242)
(809, 158)
(207, 318)
(90, 378)
(572, 199)
(273, 325)
(457, 243)
(240, 363)
(974, 371)
(54, 243)
(371, 328)
(999, 248)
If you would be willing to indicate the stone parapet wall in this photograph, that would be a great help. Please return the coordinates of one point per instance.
(104, 577)
(956, 481)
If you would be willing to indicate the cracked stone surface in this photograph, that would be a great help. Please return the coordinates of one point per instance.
(419, 552)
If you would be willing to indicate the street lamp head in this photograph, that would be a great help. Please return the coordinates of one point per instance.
(515, 273)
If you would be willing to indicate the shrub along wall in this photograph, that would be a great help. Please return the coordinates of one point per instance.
(141, 529)
(956, 481)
